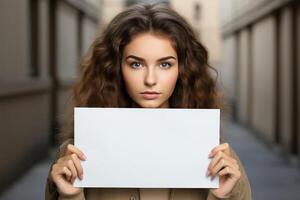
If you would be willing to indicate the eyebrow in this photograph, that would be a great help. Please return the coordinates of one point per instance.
(142, 59)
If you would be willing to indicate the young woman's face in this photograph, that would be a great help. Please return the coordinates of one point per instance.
(150, 70)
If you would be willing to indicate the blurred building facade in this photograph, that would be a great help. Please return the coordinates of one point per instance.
(261, 68)
(41, 44)
(204, 17)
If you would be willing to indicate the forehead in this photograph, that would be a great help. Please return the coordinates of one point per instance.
(148, 45)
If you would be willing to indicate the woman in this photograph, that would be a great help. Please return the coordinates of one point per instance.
(147, 57)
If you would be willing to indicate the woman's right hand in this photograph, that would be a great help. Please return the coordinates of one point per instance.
(66, 169)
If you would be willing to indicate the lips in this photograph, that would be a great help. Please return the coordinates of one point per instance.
(150, 95)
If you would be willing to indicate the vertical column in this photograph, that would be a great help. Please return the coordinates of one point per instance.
(43, 39)
(52, 68)
(250, 76)
(244, 77)
(228, 68)
(264, 77)
(296, 75)
(285, 75)
(237, 70)
(80, 33)
(34, 38)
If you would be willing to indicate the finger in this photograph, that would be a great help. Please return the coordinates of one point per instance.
(55, 171)
(222, 147)
(77, 164)
(72, 149)
(67, 172)
(58, 170)
(223, 163)
(236, 174)
(72, 167)
(215, 160)
(220, 155)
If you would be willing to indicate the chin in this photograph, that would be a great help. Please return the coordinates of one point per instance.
(149, 104)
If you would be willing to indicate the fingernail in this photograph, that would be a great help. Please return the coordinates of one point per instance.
(81, 177)
(84, 157)
(207, 173)
(210, 154)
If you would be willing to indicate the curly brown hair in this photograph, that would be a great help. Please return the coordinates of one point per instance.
(101, 83)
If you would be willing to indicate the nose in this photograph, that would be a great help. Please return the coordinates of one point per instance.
(150, 77)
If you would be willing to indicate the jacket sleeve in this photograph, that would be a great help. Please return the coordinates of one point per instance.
(242, 189)
(51, 192)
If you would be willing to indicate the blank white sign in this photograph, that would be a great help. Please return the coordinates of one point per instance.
(146, 148)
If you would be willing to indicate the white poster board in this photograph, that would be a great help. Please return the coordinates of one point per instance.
(146, 148)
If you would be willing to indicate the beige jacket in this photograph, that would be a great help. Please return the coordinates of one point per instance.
(241, 190)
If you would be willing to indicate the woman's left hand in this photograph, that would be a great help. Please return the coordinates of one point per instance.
(224, 165)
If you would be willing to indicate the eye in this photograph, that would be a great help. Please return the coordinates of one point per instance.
(135, 65)
(165, 65)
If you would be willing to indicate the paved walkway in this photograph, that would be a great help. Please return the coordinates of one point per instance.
(31, 185)
(270, 177)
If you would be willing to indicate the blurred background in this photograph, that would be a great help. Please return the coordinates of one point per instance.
(254, 44)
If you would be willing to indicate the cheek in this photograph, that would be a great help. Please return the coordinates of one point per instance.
(130, 79)
(170, 80)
